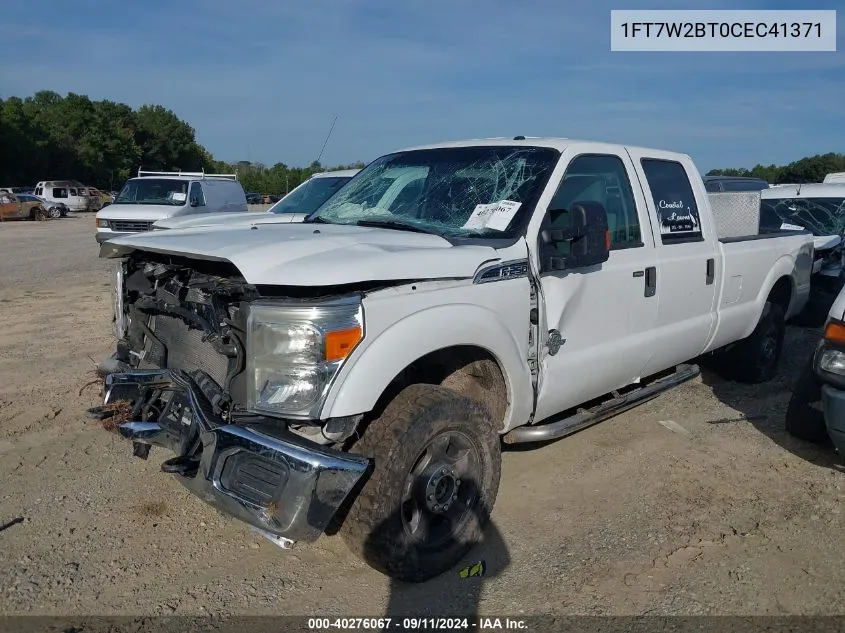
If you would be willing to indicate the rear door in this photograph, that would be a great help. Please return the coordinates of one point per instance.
(688, 265)
(598, 320)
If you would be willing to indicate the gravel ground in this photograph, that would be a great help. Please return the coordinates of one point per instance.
(722, 513)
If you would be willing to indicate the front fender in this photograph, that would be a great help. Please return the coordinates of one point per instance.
(377, 362)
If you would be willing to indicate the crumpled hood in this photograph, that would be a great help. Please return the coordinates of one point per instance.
(821, 242)
(313, 254)
(246, 218)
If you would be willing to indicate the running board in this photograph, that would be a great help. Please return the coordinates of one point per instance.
(584, 418)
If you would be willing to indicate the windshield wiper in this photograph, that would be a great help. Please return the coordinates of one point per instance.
(393, 224)
(317, 220)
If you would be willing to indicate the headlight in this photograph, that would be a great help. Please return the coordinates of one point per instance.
(294, 352)
(830, 357)
(832, 361)
(102, 224)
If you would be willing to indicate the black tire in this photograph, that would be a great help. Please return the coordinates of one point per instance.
(756, 358)
(385, 523)
(802, 419)
(55, 213)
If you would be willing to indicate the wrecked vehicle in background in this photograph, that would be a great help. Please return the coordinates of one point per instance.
(15, 206)
(357, 372)
(820, 209)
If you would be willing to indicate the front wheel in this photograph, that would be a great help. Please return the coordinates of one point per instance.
(804, 419)
(435, 479)
(55, 213)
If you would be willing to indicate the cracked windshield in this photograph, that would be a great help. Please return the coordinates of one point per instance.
(154, 191)
(820, 216)
(466, 191)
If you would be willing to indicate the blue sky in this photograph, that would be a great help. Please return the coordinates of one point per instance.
(262, 80)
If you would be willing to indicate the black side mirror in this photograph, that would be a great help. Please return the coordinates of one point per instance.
(588, 237)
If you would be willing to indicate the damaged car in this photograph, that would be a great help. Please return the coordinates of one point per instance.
(357, 373)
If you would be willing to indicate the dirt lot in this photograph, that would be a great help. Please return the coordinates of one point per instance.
(731, 516)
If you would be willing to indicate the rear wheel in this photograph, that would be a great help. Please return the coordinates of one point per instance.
(55, 213)
(756, 358)
(437, 463)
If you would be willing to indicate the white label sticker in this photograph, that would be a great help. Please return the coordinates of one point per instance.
(496, 215)
(179, 197)
(786, 226)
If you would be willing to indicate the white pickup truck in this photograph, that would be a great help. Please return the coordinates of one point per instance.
(356, 373)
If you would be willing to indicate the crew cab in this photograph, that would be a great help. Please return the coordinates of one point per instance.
(154, 196)
(301, 202)
(357, 372)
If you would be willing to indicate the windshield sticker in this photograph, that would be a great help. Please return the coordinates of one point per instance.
(179, 197)
(496, 215)
(786, 226)
(677, 217)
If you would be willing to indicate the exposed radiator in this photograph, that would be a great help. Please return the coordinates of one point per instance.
(186, 350)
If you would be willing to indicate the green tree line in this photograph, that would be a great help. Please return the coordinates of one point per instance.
(809, 169)
(102, 143)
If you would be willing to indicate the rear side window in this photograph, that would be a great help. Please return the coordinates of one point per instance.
(59, 192)
(674, 200)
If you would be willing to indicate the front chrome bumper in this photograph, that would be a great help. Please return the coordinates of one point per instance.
(279, 483)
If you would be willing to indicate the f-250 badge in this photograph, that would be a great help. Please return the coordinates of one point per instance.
(555, 342)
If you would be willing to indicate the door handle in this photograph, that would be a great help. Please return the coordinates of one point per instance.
(711, 270)
(650, 281)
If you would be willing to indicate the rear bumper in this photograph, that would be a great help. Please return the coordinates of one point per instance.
(275, 481)
(833, 401)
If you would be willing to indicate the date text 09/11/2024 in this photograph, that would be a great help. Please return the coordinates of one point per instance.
(422, 624)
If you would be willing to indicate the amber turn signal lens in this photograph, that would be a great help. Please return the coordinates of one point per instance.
(835, 332)
(341, 342)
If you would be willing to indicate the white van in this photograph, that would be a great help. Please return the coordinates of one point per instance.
(71, 193)
(297, 205)
(156, 195)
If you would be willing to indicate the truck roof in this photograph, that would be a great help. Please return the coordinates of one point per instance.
(558, 143)
(809, 190)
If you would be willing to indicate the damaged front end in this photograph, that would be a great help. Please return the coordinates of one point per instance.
(182, 375)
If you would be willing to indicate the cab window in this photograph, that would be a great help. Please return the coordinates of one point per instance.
(59, 192)
(599, 178)
(674, 201)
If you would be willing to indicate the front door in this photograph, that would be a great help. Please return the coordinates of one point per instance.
(687, 271)
(598, 320)
(9, 206)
